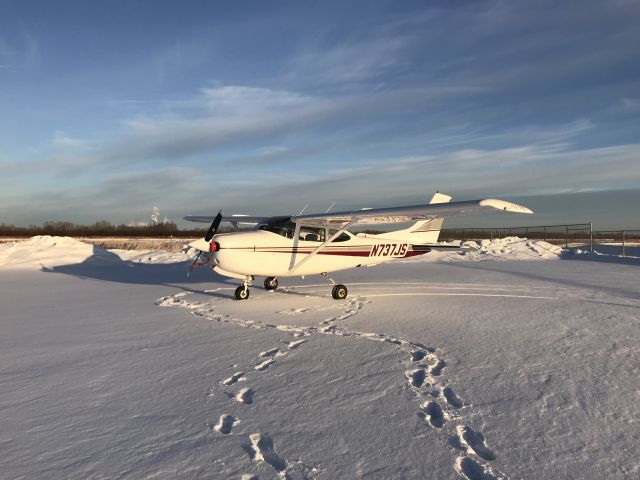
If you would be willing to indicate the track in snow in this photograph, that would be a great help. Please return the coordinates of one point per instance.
(438, 403)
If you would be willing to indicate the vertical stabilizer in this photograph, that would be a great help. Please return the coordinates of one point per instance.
(423, 231)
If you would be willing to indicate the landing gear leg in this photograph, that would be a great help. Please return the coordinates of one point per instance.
(271, 283)
(242, 292)
(339, 292)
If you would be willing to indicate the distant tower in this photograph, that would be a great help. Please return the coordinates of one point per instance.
(155, 214)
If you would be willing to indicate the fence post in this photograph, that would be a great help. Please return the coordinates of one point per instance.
(545, 234)
(566, 237)
(591, 236)
(623, 235)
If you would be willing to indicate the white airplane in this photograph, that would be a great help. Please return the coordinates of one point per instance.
(295, 246)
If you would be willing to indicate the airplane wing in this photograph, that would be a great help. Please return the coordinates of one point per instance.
(408, 213)
(234, 219)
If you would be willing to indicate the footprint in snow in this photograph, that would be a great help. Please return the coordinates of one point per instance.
(264, 450)
(451, 398)
(295, 344)
(225, 424)
(245, 396)
(269, 353)
(437, 368)
(327, 321)
(262, 366)
(417, 355)
(472, 470)
(233, 378)
(416, 377)
(434, 415)
(474, 442)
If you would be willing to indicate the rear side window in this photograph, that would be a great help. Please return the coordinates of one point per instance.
(343, 237)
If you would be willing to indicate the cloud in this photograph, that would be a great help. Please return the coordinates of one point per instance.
(349, 63)
(526, 169)
(61, 141)
(233, 116)
(630, 104)
(22, 51)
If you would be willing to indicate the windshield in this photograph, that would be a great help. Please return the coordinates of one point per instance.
(284, 229)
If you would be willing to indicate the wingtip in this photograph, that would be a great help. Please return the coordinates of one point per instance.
(505, 206)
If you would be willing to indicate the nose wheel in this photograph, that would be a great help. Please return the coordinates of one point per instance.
(242, 292)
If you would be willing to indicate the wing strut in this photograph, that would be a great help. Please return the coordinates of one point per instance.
(319, 247)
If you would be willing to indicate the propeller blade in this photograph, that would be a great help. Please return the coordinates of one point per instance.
(214, 227)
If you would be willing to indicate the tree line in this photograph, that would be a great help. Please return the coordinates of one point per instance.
(102, 228)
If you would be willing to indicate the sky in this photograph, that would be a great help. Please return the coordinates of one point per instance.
(108, 109)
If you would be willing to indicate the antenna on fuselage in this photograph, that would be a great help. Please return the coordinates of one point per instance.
(330, 207)
(301, 211)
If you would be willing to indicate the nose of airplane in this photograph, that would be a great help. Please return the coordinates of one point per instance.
(204, 246)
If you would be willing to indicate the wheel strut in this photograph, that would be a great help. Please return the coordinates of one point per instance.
(339, 292)
(242, 292)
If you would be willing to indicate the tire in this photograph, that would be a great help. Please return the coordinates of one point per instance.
(242, 293)
(270, 283)
(339, 292)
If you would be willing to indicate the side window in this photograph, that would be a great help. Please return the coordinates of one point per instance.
(343, 237)
(284, 229)
(312, 234)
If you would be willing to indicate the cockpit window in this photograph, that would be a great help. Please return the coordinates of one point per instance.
(284, 229)
(287, 229)
(310, 234)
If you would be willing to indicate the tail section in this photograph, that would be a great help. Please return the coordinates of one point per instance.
(423, 231)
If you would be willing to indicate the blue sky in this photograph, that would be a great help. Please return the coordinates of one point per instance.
(110, 108)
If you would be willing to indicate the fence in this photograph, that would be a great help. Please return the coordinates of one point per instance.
(574, 235)
(618, 242)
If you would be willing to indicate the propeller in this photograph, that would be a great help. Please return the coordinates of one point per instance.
(206, 245)
(214, 227)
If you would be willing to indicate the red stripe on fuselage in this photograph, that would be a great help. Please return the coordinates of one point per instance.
(308, 250)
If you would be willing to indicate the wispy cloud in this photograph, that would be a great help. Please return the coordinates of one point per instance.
(22, 51)
(350, 63)
(60, 140)
(233, 116)
(630, 104)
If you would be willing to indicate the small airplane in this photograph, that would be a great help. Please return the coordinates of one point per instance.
(295, 246)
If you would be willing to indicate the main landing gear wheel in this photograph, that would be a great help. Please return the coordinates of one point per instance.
(271, 283)
(339, 292)
(242, 293)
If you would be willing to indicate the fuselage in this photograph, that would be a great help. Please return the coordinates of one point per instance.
(271, 254)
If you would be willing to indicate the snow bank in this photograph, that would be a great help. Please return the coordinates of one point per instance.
(45, 251)
(154, 256)
(509, 248)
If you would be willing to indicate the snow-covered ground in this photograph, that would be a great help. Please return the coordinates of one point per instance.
(490, 364)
